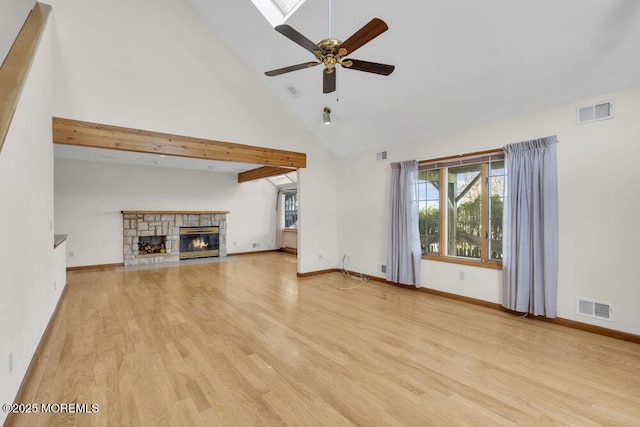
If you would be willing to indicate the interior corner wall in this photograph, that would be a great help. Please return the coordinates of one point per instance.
(156, 65)
(13, 13)
(89, 198)
(598, 179)
(28, 270)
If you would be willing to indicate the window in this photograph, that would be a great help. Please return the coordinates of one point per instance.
(460, 208)
(290, 210)
(429, 202)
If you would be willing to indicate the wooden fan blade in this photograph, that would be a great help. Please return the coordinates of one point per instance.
(291, 68)
(329, 81)
(364, 35)
(296, 37)
(369, 67)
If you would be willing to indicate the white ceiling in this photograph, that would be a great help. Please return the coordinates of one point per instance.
(72, 152)
(458, 63)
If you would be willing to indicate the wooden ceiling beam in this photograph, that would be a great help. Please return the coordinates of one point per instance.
(14, 69)
(96, 135)
(262, 172)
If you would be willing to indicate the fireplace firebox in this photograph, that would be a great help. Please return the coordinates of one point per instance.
(199, 242)
(152, 245)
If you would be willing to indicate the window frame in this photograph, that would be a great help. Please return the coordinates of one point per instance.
(293, 195)
(442, 164)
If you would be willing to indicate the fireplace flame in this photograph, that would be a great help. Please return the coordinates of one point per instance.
(199, 244)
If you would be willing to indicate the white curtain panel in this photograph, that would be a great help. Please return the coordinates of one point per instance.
(530, 257)
(404, 254)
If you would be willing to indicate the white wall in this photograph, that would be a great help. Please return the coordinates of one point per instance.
(27, 264)
(13, 13)
(89, 197)
(155, 64)
(598, 178)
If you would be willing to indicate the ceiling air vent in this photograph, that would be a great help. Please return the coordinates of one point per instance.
(595, 309)
(381, 156)
(593, 113)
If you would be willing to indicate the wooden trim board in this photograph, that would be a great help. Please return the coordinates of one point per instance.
(97, 266)
(251, 252)
(598, 330)
(262, 172)
(97, 135)
(317, 273)
(173, 212)
(16, 66)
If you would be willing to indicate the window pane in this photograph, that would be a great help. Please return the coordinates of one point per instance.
(496, 203)
(496, 168)
(429, 202)
(291, 210)
(464, 213)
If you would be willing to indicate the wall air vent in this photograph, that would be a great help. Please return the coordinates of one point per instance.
(594, 113)
(595, 309)
(381, 156)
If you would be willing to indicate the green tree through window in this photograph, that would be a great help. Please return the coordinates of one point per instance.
(462, 218)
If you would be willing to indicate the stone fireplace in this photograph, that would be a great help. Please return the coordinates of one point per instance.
(154, 237)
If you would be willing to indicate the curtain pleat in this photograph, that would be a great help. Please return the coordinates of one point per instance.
(530, 257)
(403, 252)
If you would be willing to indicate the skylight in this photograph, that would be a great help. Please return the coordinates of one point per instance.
(286, 6)
(277, 11)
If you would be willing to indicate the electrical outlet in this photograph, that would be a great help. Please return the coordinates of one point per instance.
(462, 275)
(10, 362)
(55, 285)
(71, 254)
(234, 243)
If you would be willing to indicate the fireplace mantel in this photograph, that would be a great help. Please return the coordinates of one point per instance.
(173, 212)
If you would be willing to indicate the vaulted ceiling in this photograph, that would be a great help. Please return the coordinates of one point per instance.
(458, 63)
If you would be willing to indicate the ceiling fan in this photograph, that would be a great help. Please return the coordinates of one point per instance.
(331, 52)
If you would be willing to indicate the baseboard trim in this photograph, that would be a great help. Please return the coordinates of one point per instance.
(599, 330)
(586, 327)
(93, 267)
(292, 251)
(36, 356)
(252, 252)
(317, 273)
(573, 324)
(461, 298)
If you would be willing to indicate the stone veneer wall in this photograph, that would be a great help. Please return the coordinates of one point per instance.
(166, 224)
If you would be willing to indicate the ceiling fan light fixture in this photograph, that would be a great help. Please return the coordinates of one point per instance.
(331, 52)
(326, 116)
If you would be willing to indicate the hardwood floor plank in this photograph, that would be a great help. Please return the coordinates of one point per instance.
(249, 343)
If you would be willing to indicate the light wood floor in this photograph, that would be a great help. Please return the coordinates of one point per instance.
(247, 343)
